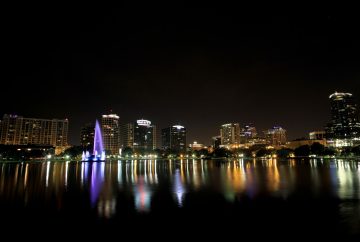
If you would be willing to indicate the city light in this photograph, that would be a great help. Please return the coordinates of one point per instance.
(252, 126)
(143, 122)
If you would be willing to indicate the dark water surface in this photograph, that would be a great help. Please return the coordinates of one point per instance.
(244, 197)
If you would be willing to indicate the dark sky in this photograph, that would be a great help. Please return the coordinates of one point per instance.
(199, 67)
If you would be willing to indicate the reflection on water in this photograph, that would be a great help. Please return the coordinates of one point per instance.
(139, 181)
(178, 188)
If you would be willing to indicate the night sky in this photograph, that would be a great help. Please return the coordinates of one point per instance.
(198, 67)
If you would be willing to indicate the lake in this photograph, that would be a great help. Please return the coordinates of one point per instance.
(245, 196)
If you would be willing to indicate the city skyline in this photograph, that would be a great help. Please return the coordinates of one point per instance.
(179, 120)
(75, 140)
(197, 67)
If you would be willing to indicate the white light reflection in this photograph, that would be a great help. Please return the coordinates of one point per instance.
(66, 173)
(47, 173)
(119, 177)
(178, 188)
(26, 175)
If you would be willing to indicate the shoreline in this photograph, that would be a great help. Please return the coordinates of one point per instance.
(356, 158)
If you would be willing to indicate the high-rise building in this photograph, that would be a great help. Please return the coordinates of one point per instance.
(247, 132)
(317, 135)
(216, 141)
(127, 135)
(156, 137)
(275, 136)
(87, 137)
(174, 138)
(140, 135)
(111, 133)
(230, 135)
(17, 130)
(344, 126)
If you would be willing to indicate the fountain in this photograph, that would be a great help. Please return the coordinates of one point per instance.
(98, 152)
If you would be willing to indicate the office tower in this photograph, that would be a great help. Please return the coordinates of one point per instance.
(344, 126)
(139, 135)
(87, 137)
(111, 133)
(247, 133)
(230, 134)
(174, 138)
(275, 136)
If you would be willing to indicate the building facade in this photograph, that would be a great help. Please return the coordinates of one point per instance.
(174, 138)
(344, 127)
(275, 136)
(111, 133)
(247, 133)
(230, 135)
(17, 130)
(139, 135)
(87, 137)
(196, 146)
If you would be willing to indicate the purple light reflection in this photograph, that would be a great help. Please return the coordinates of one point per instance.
(97, 181)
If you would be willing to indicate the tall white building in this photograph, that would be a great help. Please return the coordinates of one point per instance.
(230, 135)
(111, 133)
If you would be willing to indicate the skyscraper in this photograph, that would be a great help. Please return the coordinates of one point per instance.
(275, 136)
(127, 135)
(230, 134)
(139, 135)
(247, 132)
(111, 133)
(344, 126)
(17, 130)
(87, 137)
(174, 138)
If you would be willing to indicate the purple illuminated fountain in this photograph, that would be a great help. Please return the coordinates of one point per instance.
(98, 152)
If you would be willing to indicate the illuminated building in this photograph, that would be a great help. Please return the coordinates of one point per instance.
(317, 135)
(140, 135)
(230, 134)
(256, 141)
(87, 137)
(174, 138)
(247, 132)
(111, 133)
(275, 136)
(344, 126)
(127, 135)
(17, 130)
(196, 146)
